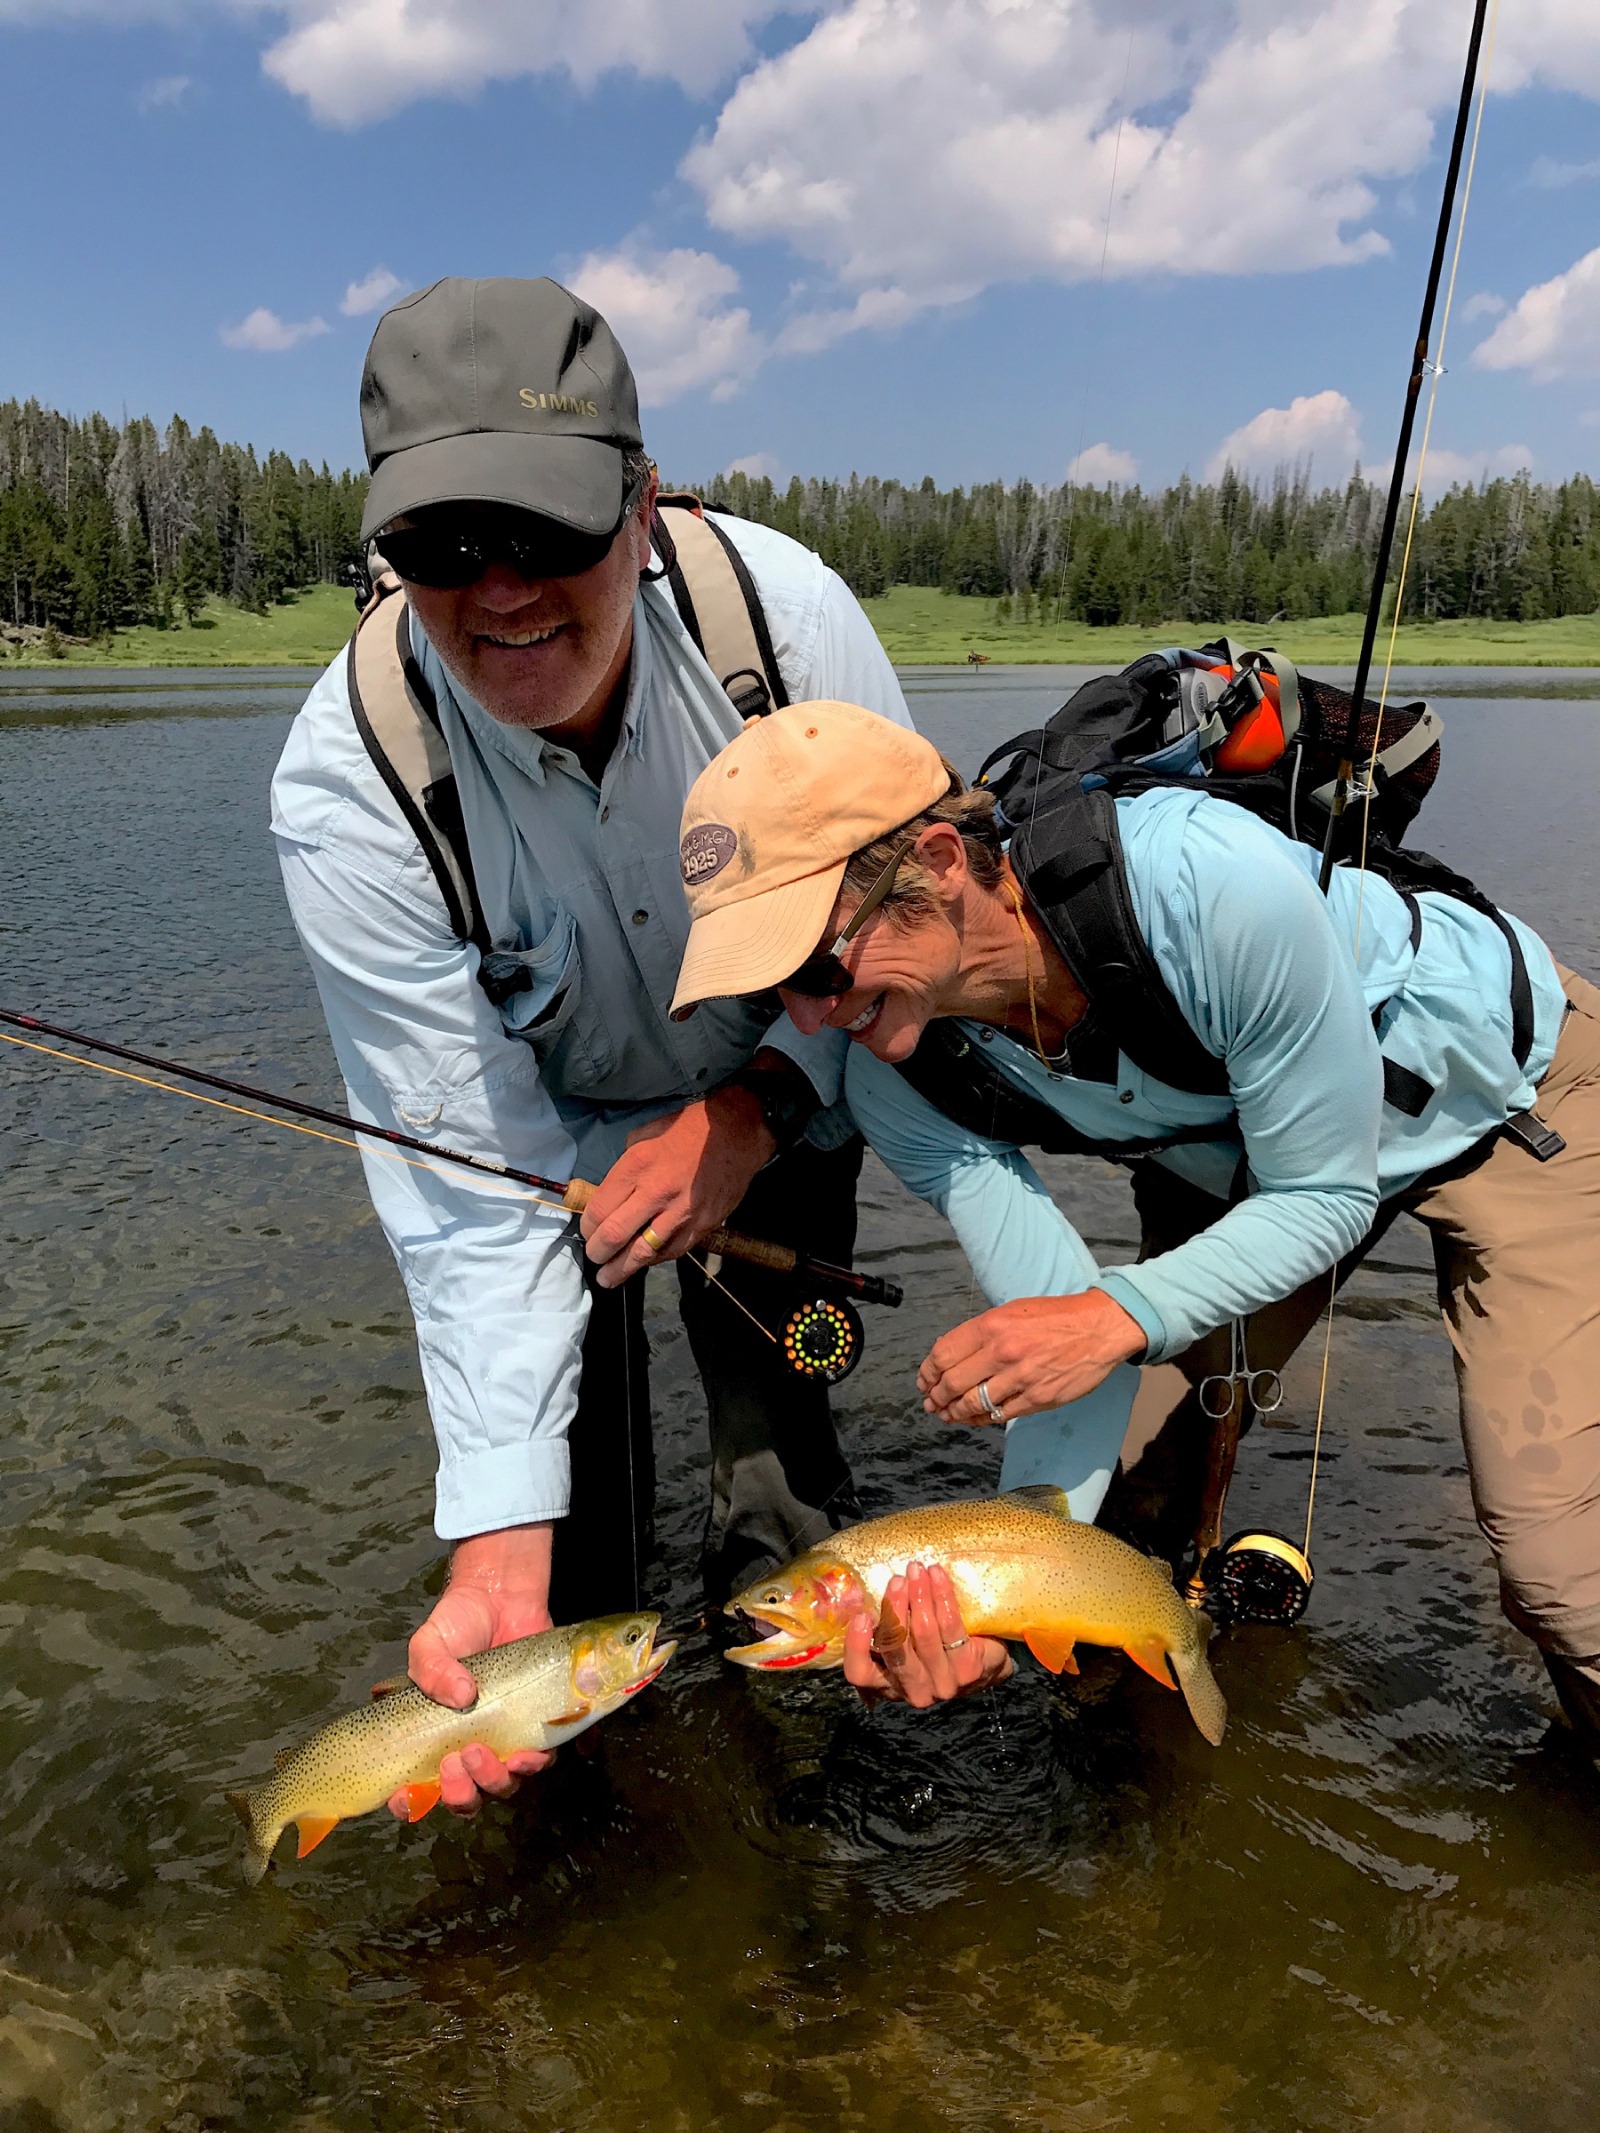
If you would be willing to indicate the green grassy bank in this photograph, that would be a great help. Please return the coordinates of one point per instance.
(919, 627)
(305, 631)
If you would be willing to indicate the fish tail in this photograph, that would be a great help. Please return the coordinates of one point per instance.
(1207, 1705)
(258, 1839)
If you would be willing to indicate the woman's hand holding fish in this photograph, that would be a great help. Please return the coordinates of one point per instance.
(499, 1589)
(1038, 1352)
(918, 1652)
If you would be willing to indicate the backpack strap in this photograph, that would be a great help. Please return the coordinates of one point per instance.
(1068, 857)
(721, 608)
(966, 1083)
(397, 718)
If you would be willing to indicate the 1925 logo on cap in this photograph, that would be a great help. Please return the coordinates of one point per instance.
(705, 851)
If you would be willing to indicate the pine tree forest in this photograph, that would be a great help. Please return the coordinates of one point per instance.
(102, 526)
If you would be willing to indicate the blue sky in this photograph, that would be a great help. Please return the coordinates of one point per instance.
(853, 234)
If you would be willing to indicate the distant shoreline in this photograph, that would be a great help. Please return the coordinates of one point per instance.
(917, 625)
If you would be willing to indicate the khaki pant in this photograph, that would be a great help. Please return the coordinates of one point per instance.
(1517, 1251)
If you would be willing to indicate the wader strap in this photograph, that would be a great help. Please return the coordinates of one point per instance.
(398, 721)
(721, 609)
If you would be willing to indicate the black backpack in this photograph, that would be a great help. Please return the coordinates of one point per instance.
(1259, 735)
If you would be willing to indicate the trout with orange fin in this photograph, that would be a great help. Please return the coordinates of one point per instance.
(535, 1692)
(1023, 1568)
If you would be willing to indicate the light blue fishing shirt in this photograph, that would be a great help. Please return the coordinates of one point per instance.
(582, 883)
(1281, 984)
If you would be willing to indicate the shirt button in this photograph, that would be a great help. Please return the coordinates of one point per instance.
(699, 1073)
(986, 1036)
(1125, 1096)
(641, 918)
(605, 814)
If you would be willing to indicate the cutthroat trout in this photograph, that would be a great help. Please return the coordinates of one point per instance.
(533, 1693)
(1023, 1568)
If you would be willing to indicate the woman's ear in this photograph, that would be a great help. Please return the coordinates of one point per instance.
(941, 850)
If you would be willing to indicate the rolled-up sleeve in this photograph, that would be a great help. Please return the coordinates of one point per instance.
(491, 1274)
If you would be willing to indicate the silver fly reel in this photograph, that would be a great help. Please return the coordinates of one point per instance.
(1260, 1577)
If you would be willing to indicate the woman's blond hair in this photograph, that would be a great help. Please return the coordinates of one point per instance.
(912, 899)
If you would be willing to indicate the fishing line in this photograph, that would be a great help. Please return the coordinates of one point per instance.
(1394, 624)
(1100, 282)
(286, 1125)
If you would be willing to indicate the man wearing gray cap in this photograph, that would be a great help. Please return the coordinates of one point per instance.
(496, 934)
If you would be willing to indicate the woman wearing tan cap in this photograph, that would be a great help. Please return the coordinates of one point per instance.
(837, 858)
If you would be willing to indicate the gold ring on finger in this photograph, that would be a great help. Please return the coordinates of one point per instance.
(656, 1244)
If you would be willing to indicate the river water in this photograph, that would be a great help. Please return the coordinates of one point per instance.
(752, 1906)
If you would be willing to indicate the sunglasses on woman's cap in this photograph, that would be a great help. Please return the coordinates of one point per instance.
(823, 976)
(446, 548)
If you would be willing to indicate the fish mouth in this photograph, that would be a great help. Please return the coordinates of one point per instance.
(652, 1667)
(780, 1645)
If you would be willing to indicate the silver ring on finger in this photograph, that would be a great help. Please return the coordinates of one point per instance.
(954, 1644)
(995, 1414)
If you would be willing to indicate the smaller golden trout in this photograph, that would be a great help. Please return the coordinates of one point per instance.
(1023, 1568)
(533, 1693)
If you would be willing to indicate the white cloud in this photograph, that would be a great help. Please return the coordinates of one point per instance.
(165, 94)
(1553, 330)
(358, 60)
(1551, 176)
(755, 464)
(267, 334)
(1320, 431)
(370, 293)
(1098, 464)
(671, 312)
(931, 148)
(1483, 305)
(1444, 468)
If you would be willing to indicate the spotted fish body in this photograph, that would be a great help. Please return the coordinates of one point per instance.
(536, 1692)
(1023, 1568)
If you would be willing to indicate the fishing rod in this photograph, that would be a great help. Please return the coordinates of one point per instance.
(1260, 1576)
(813, 1336)
(1397, 477)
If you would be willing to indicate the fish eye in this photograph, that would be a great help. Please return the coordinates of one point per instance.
(771, 1597)
(633, 1636)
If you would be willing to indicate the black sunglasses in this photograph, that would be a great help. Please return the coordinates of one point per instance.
(823, 976)
(447, 550)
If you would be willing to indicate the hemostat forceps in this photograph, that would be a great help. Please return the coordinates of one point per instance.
(1262, 1389)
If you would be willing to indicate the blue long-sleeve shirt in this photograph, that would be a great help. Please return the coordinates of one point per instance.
(581, 881)
(1282, 985)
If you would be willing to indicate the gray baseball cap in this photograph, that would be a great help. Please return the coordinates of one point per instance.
(502, 391)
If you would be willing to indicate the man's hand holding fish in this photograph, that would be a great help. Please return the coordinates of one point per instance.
(495, 1594)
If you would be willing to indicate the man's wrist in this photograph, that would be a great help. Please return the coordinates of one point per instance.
(784, 1092)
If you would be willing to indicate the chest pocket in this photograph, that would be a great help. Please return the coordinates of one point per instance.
(538, 994)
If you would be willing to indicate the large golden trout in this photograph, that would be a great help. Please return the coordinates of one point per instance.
(533, 1693)
(1023, 1568)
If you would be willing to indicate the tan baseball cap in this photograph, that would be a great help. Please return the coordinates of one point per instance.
(769, 826)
